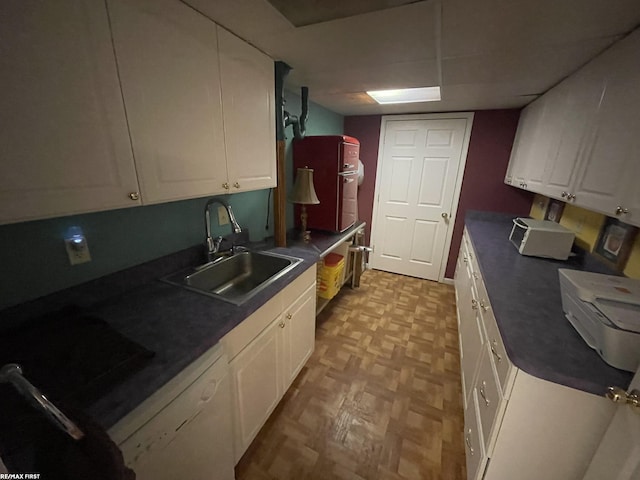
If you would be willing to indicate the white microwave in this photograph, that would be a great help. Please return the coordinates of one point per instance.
(541, 238)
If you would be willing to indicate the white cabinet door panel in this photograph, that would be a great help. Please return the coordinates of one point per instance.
(168, 62)
(256, 386)
(615, 144)
(248, 98)
(65, 144)
(299, 322)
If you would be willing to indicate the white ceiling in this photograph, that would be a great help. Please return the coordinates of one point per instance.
(485, 54)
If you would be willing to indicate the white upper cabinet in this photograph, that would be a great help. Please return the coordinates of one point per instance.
(168, 61)
(64, 140)
(248, 99)
(590, 133)
(521, 144)
(528, 155)
(613, 152)
(579, 100)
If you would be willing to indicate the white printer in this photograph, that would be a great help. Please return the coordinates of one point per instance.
(605, 310)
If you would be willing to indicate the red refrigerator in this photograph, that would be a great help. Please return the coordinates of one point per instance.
(334, 160)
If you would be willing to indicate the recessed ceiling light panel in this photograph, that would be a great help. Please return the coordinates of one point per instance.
(406, 95)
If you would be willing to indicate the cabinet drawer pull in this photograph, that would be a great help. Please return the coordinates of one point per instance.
(483, 394)
(493, 350)
(281, 325)
(467, 438)
(620, 210)
(475, 275)
(465, 259)
(474, 304)
(483, 306)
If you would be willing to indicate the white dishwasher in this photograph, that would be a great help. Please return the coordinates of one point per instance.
(184, 430)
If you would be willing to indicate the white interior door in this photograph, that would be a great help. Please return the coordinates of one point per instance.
(417, 185)
(618, 456)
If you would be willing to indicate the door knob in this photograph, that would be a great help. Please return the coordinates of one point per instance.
(618, 395)
(445, 215)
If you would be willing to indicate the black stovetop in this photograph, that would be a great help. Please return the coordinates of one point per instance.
(71, 357)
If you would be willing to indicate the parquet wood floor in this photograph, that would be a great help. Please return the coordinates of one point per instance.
(380, 398)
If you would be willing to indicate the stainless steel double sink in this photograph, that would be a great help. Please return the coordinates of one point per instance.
(237, 278)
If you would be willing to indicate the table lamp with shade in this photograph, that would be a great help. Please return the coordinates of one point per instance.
(304, 194)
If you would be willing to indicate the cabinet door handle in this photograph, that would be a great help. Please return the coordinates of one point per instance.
(465, 259)
(494, 343)
(475, 275)
(467, 439)
(289, 316)
(236, 184)
(225, 185)
(281, 325)
(474, 304)
(134, 195)
(483, 394)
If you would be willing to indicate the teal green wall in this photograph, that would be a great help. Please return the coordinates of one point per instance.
(33, 256)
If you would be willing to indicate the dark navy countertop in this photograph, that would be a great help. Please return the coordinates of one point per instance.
(175, 323)
(525, 296)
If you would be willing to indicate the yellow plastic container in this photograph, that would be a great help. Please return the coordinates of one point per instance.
(329, 275)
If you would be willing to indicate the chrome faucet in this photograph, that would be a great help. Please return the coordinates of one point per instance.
(213, 245)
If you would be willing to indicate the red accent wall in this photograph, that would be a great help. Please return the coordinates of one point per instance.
(367, 130)
(483, 186)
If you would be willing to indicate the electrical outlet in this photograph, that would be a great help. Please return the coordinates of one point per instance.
(223, 216)
(77, 250)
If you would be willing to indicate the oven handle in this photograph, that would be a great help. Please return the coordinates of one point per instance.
(12, 373)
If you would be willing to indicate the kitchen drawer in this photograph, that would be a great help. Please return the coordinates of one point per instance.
(298, 286)
(501, 361)
(244, 333)
(471, 253)
(489, 395)
(474, 448)
(472, 339)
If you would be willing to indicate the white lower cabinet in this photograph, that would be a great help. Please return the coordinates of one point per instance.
(267, 351)
(474, 448)
(256, 385)
(517, 426)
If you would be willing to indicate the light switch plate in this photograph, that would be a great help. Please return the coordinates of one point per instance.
(77, 252)
(223, 216)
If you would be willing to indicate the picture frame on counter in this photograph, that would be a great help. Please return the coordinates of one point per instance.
(554, 210)
(614, 242)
